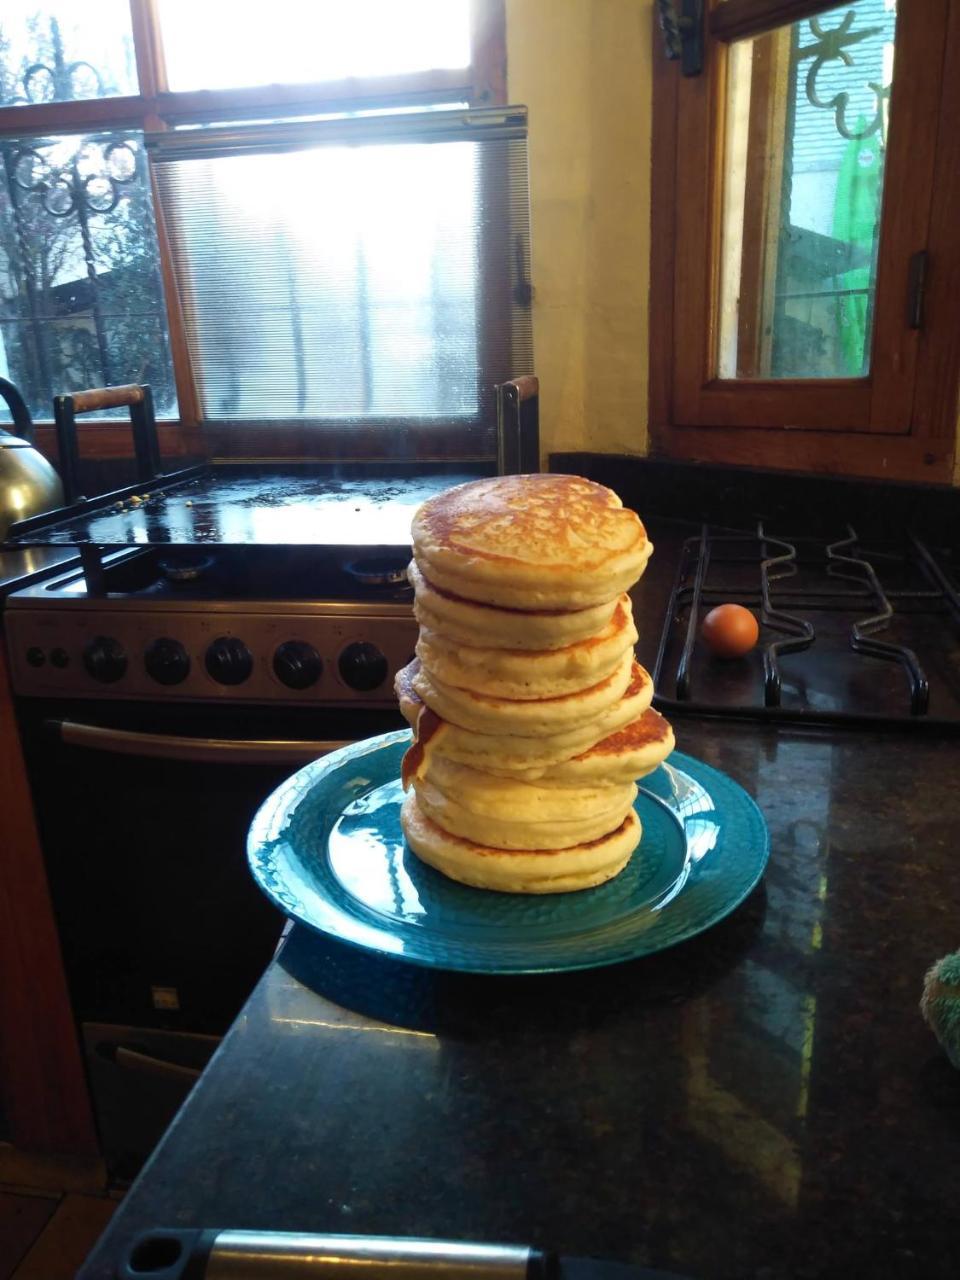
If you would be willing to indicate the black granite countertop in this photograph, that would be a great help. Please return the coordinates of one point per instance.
(763, 1101)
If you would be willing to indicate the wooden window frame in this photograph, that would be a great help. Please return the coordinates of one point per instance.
(483, 83)
(899, 423)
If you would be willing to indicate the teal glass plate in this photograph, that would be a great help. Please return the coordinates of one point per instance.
(327, 849)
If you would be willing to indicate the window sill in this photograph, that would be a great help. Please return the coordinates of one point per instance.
(113, 439)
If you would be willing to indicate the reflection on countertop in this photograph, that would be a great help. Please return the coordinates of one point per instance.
(763, 1101)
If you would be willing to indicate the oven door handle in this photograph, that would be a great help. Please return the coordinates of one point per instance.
(146, 1064)
(162, 746)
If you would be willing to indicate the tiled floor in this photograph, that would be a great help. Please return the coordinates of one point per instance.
(45, 1236)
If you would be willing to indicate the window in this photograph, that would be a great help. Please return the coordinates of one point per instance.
(805, 258)
(309, 40)
(100, 285)
(351, 272)
(81, 302)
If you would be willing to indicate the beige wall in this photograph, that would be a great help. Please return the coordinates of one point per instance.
(582, 67)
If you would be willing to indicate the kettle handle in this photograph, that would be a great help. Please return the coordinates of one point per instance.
(22, 421)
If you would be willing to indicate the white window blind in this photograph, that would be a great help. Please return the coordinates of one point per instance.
(370, 270)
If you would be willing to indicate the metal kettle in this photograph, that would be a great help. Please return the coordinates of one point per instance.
(28, 483)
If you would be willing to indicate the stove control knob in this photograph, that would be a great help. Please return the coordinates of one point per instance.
(362, 666)
(229, 660)
(105, 659)
(297, 664)
(167, 661)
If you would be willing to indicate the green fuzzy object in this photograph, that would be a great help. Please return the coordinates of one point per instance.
(940, 1004)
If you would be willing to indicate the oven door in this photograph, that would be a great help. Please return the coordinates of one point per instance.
(143, 811)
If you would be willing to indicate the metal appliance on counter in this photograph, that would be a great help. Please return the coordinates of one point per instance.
(225, 625)
(28, 483)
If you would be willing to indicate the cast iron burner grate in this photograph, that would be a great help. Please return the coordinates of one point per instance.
(849, 635)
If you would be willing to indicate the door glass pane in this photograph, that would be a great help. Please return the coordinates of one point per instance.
(65, 51)
(80, 295)
(806, 128)
(227, 44)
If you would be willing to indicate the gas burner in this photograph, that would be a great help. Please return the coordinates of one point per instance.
(185, 569)
(820, 658)
(379, 571)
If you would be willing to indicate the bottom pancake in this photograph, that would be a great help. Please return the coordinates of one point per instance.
(581, 866)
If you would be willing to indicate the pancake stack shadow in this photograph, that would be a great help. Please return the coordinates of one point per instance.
(532, 718)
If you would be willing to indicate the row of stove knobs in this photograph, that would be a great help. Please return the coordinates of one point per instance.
(296, 664)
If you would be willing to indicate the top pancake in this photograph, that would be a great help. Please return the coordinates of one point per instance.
(530, 542)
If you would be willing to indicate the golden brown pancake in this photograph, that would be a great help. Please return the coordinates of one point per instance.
(631, 752)
(531, 715)
(544, 871)
(528, 673)
(510, 755)
(489, 796)
(486, 713)
(536, 825)
(466, 622)
(530, 542)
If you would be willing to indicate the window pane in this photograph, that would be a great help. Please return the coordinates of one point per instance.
(80, 294)
(227, 44)
(806, 128)
(354, 283)
(64, 52)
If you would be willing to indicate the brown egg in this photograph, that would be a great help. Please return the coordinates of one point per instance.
(729, 631)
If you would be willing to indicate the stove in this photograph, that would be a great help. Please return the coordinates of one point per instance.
(853, 632)
(225, 624)
(234, 583)
(159, 706)
(306, 626)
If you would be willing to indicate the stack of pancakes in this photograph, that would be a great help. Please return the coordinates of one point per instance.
(532, 719)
